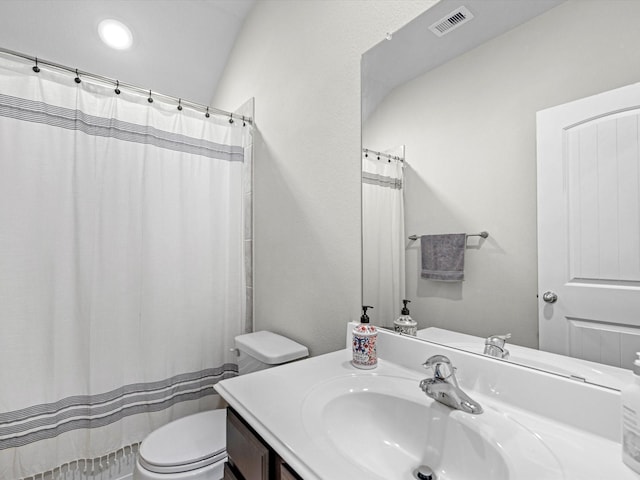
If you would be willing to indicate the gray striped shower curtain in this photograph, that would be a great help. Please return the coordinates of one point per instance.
(122, 276)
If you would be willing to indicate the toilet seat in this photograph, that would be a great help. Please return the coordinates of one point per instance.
(189, 443)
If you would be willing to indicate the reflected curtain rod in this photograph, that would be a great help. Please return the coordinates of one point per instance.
(381, 154)
(117, 83)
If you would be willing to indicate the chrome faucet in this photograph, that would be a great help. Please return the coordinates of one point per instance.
(494, 346)
(443, 386)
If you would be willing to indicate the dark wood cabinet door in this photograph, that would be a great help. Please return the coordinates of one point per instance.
(246, 451)
(228, 473)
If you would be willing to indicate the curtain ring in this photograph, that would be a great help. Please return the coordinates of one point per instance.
(77, 79)
(207, 115)
(36, 68)
(231, 118)
(180, 104)
(150, 100)
(117, 90)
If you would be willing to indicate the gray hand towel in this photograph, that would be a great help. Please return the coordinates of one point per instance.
(443, 256)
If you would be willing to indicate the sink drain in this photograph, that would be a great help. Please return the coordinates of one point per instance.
(424, 473)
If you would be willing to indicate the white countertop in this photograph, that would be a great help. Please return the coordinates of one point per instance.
(272, 400)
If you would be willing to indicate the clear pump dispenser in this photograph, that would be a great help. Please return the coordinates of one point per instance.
(631, 420)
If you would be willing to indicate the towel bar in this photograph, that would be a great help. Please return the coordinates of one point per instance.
(481, 234)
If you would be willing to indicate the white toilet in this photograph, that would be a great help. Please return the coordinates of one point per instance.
(194, 447)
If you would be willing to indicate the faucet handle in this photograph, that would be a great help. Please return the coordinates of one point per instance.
(494, 346)
(442, 368)
(497, 340)
(435, 360)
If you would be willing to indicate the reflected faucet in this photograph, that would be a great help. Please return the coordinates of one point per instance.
(494, 346)
(443, 386)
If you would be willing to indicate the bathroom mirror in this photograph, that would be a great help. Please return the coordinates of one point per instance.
(462, 109)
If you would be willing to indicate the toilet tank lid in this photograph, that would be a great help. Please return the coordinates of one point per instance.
(270, 348)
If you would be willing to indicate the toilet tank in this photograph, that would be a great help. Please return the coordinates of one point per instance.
(260, 350)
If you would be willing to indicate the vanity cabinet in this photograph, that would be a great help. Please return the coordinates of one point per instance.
(250, 457)
(284, 472)
(228, 473)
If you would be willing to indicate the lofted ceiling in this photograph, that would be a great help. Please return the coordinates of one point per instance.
(180, 46)
(415, 50)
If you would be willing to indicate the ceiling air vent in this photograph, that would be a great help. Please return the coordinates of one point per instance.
(458, 17)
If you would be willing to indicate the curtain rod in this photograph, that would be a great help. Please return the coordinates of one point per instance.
(381, 154)
(117, 83)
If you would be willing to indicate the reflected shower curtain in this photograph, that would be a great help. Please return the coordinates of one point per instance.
(122, 279)
(383, 255)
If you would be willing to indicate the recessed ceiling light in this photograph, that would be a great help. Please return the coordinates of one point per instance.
(115, 34)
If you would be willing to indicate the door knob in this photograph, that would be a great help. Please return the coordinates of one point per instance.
(549, 297)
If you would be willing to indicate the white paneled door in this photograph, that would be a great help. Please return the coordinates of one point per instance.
(589, 227)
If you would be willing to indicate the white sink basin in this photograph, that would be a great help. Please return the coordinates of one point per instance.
(387, 426)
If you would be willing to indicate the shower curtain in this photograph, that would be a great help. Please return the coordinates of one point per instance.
(122, 268)
(383, 240)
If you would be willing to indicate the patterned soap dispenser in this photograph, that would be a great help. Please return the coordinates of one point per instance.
(405, 324)
(364, 343)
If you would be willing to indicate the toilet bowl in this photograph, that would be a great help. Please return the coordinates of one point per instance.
(194, 447)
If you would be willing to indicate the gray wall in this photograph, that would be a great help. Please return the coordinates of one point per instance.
(301, 62)
(469, 128)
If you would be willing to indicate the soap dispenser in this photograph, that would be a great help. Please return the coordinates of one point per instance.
(631, 420)
(364, 343)
(405, 324)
